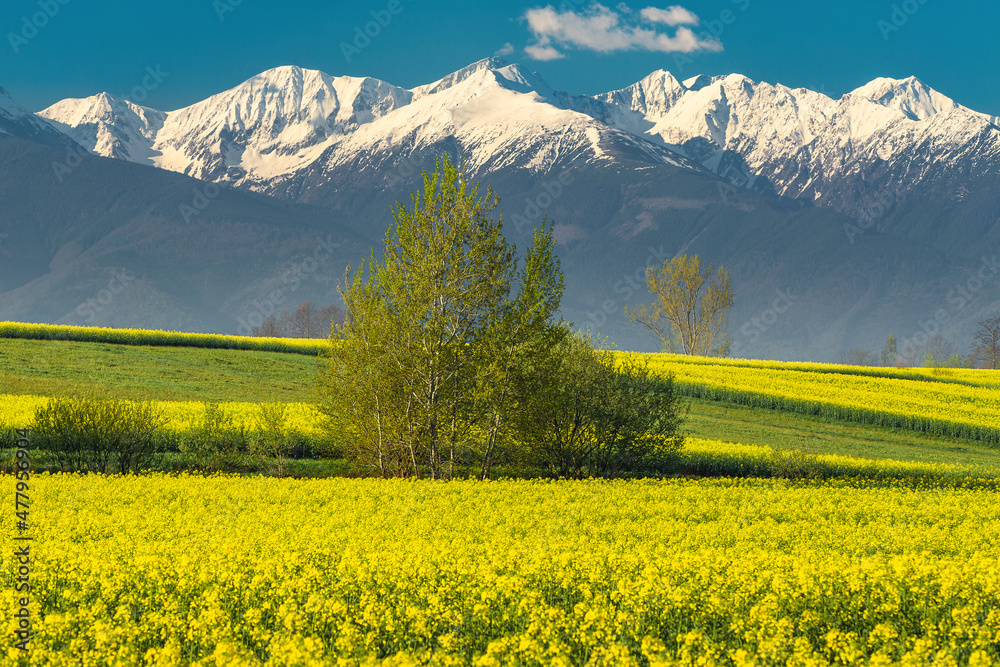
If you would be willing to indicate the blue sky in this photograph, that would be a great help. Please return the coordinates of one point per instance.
(54, 49)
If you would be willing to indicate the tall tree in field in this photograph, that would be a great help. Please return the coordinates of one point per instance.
(986, 343)
(690, 310)
(417, 375)
(890, 351)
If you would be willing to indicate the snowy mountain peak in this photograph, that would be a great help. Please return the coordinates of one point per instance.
(287, 95)
(697, 82)
(494, 63)
(910, 96)
(16, 121)
(108, 125)
(653, 95)
(102, 106)
(286, 128)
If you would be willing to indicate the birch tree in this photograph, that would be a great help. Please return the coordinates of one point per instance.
(416, 377)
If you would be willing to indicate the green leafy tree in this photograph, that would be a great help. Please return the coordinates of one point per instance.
(690, 310)
(581, 413)
(416, 375)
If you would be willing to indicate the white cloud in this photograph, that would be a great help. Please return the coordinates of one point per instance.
(606, 31)
(542, 52)
(505, 50)
(672, 16)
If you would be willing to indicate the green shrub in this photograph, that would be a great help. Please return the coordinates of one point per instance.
(105, 436)
(271, 439)
(581, 415)
(215, 441)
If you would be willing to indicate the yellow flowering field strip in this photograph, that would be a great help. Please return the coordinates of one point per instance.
(19, 411)
(703, 457)
(956, 409)
(176, 570)
(310, 346)
(968, 376)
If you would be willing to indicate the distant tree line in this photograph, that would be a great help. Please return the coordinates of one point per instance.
(937, 352)
(306, 321)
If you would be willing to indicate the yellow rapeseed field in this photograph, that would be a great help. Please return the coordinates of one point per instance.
(18, 411)
(955, 403)
(173, 570)
(310, 346)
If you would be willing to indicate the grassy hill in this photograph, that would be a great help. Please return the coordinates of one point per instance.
(731, 401)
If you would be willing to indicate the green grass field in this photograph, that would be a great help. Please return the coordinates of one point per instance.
(141, 372)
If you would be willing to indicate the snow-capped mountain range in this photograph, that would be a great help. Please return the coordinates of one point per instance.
(802, 144)
(288, 120)
(263, 135)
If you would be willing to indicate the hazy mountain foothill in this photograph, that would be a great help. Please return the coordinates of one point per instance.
(840, 221)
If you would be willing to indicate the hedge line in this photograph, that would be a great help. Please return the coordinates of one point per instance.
(307, 346)
(931, 425)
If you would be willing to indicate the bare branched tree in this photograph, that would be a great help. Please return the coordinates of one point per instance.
(940, 352)
(690, 312)
(986, 343)
(307, 321)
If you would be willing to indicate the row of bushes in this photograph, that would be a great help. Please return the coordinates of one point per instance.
(115, 436)
(307, 346)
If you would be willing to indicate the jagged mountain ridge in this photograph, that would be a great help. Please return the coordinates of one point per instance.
(16, 122)
(285, 126)
(890, 135)
(268, 132)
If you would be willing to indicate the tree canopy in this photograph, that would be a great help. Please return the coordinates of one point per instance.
(690, 309)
